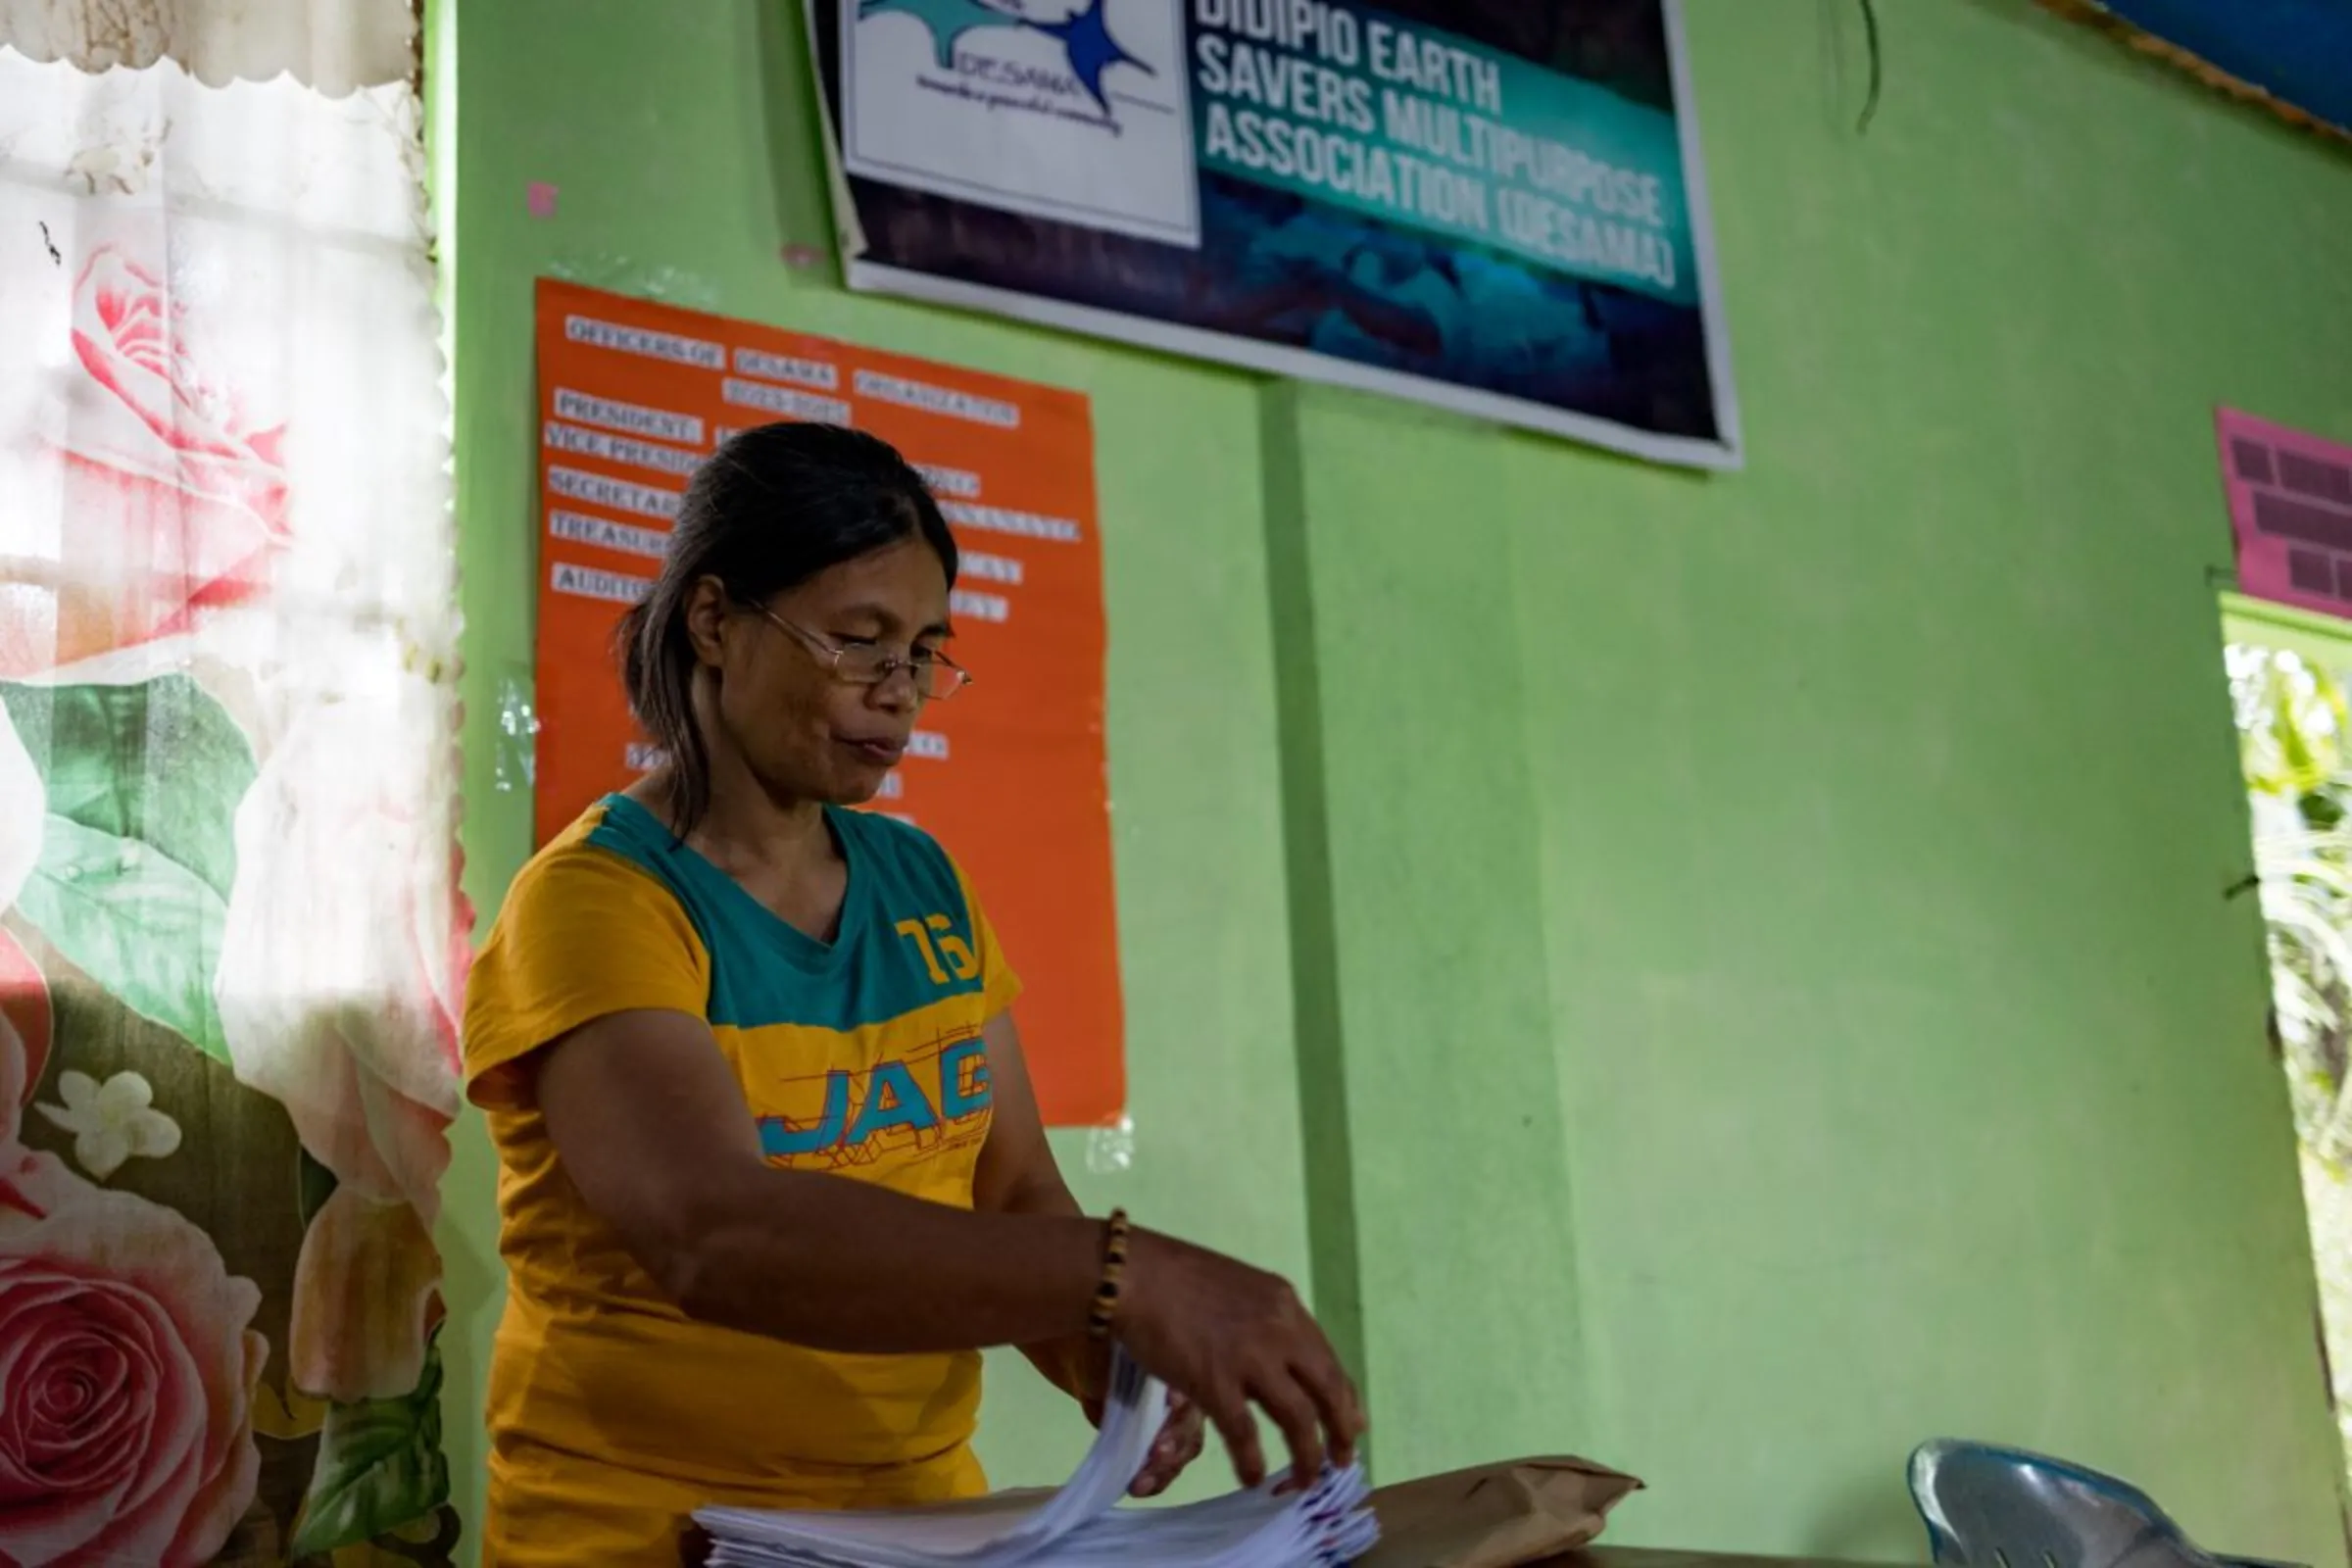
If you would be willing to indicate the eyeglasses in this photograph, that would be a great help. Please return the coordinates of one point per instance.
(936, 676)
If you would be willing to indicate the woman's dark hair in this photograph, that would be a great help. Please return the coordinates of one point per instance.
(769, 510)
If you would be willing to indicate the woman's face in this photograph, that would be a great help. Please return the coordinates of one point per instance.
(803, 733)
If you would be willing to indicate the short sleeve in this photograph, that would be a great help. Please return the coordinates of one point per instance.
(1000, 987)
(582, 934)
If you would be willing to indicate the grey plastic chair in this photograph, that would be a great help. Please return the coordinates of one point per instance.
(1990, 1507)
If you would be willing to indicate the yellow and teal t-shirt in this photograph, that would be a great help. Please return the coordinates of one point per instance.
(612, 1414)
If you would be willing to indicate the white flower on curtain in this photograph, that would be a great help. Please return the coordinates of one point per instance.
(231, 937)
(112, 1122)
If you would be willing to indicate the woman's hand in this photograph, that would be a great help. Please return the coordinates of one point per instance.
(1228, 1336)
(1179, 1441)
(1177, 1446)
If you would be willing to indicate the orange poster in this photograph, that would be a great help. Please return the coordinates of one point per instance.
(1010, 775)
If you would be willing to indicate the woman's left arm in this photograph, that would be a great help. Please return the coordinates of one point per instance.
(1017, 1175)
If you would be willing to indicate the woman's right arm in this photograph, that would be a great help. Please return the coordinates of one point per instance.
(651, 1126)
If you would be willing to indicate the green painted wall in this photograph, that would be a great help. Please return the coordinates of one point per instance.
(1755, 948)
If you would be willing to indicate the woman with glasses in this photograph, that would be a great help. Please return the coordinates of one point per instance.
(772, 1172)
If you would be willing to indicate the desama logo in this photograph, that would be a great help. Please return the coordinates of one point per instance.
(1085, 37)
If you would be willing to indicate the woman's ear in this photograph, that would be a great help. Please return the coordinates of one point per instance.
(707, 605)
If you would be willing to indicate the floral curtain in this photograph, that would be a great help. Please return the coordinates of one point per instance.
(2294, 723)
(231, 940)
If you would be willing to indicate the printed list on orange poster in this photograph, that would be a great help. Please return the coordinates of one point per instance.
(1010, 775)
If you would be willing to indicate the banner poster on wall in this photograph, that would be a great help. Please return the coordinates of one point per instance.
(1495, 206)
(1010, 774)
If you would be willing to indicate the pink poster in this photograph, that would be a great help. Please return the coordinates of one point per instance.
(2290, 506)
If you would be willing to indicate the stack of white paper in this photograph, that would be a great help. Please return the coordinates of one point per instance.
(1080, 1524)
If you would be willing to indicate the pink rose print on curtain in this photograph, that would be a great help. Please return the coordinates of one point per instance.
(127, 1367)
(174, 501)
(343, 959)
(342, 964)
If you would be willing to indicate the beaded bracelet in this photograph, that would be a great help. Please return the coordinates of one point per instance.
(1105, 1307)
